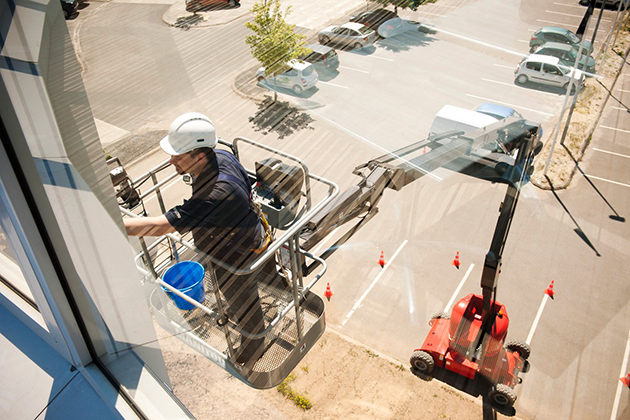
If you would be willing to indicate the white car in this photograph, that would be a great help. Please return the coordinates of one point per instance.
(352, 34)
(300, 77)
(546, 70)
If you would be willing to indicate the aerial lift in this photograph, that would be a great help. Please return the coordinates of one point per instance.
(281, 186)
(472, 341)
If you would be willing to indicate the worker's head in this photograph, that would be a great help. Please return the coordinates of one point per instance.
(188, 138)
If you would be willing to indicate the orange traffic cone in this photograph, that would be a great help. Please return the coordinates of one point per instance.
(328, 293)
(549, 291)
(381, 260)
(626, 380)
(456, 262)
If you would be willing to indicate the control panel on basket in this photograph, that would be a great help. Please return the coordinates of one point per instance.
(278, 189)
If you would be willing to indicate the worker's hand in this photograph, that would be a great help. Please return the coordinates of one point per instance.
(148, 226)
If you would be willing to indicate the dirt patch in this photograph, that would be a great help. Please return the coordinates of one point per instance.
(338, 379)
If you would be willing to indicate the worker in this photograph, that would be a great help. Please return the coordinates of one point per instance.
(219, 214)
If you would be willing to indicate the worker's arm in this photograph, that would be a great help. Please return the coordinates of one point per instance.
(148, 226)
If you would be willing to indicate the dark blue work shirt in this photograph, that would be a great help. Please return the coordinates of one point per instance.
(219, 214)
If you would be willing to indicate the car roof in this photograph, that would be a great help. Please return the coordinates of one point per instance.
(298, 64)
(495, 109)
(322, 49)
(557, 46)
(352, 25)
(556, 29)
(543, 58)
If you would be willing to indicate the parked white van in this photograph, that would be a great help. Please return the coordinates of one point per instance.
(451, 118)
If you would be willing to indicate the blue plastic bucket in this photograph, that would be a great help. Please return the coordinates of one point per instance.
(187, 277)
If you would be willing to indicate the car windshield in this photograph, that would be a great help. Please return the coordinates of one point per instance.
(573, 37)
(307, 71)
(365, 30)
(564, 69)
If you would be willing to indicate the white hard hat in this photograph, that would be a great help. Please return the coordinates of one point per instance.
(188, 132)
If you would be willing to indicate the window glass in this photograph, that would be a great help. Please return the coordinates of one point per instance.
(101, 124)
(10, 272)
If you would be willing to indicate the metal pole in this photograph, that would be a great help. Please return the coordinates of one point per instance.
(564, 105)
(610, 35)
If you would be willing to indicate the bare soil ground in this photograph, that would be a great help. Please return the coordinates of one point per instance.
(339, 378)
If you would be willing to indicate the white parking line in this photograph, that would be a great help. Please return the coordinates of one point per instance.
(503, 66)
(623, 90)
(615, 129)
(508, 104)
(610, 153)
(332, 84)
(356, 305)
(618, 108)
(480, 42)
(569, 5)
(535, 324)
(622, 373)
(607, 180)
(513, 85)
(350, 68)
(380, 58)
(575, 16)
(447, 308)
(550, 21)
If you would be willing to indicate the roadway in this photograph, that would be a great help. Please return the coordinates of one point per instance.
(140, 74)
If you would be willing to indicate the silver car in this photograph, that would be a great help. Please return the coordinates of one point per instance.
(350, 34)
(546, 70)
(300, 77)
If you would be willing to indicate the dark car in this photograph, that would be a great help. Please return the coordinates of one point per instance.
(68, 7)
(567, 55)
(322, 55)
(373, 18)
(202, 5)
(557, 34)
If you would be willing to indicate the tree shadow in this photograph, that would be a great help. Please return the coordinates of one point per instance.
(212, 7)
(616, 216)
(280, 117)
(578, 230)
(406, 41)
(186, 22)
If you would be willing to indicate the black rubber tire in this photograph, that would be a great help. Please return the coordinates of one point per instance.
(260, 78)
(357, 46)
(325, 40)
(502, 395)
(297, 90)
(231, 3)
(422, 361)
(566, 85)
(440, 315)
(522, 348)
(522, 79)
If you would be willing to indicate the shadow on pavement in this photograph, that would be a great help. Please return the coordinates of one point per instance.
(615, 216)
(578, 230)
(280, 117)
(610, 94)
(405, 41)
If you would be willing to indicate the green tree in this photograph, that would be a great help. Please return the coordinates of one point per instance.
(274, 42)
(404, 4)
